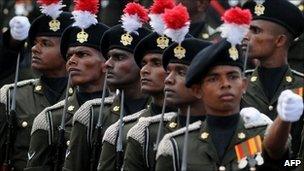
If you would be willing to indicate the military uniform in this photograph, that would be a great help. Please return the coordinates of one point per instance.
(296, 54)
(202, 153)
(30, 100)
(203, 31)
(256, 97)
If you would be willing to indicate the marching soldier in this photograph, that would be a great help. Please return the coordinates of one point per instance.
(271, 32)
(86, 67)
(151, 84)
(140, 152)
(34, 95)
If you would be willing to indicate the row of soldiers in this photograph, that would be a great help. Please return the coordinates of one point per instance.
(179, 99)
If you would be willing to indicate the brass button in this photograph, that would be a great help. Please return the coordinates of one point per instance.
(38, 87)
(289, 79)
(222, 168)
(241, 135)
(25, 45)
(68, 143)
(116, 108)
(5, 11)
(24, 124)
(253, 79)
(71, 108)
(205, 35)
(270, 108)
(204, 135)
(71, 91)
(172, 125)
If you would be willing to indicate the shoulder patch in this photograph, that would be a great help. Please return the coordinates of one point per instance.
(82, 115)
(41, 121)
(253, 118)
(165, 147)
(297, 73)
(4, 89)
(137, 132)
(111, 133)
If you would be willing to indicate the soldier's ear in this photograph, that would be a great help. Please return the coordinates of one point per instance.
(197, 91)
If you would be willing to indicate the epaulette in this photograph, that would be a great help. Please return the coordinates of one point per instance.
(252, 120)
(137, 132)
(83, 113)
(41, 121)
(249, 71)
(165, 147)
(4, 89)
(297, 73)
(111, 133)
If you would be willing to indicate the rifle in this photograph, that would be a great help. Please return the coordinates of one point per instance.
(97, 141)
(7, 164)
(61, 145)
(185, 147)
(160, 125)
(119, 150)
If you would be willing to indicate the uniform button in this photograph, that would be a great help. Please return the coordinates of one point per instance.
(25, 45)
(24, 124)
(222, 168)
(172, 125)
(38, 88)
(68, 143)
(253, 79)
(270, 108)
(204, 135)
(116, 108)
(205, 35)
(288, 79)
(5, 11)
(241, 135)
(71, 108)
(71, 91)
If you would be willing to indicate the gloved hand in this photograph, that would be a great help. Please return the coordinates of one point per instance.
(19, 27)
(254, 118)
(290, 106)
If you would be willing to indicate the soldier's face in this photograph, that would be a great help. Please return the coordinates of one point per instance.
(177, 93)
(152, 74)
(46, 55)
(122, 68)
(261, 39)
(222, 89)
(86, 66)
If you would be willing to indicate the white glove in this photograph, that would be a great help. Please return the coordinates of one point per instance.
(290, 106)
(19, 27)
(254, 118)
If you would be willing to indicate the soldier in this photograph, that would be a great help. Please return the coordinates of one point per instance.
(34, 95)
(296, 54)
(140, 146)
(86, 67)
(271, 33)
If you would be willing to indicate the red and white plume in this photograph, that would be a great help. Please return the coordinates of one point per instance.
(51, 8)
(135, 15)
(156, 12)
(236, 25)
(177, 23)
(85, 13)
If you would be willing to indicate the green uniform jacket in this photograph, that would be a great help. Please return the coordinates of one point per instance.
(108, 155)
(256, 98)
(140, 153)
(44, 134)
(202, 154)
(30, 101)
(83, 131)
